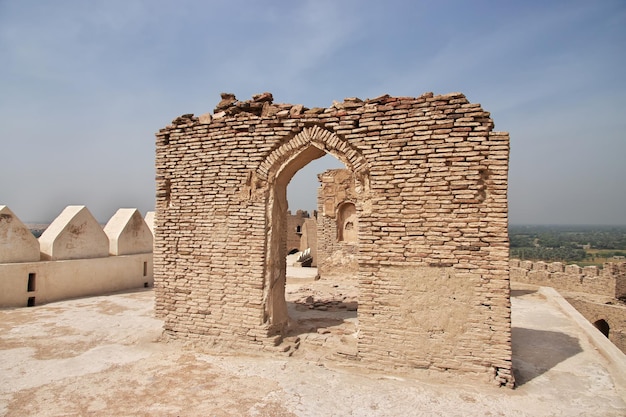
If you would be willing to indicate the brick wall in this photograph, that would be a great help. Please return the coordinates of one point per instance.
(431, 185)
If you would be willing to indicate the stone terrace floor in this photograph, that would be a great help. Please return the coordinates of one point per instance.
(100, 356)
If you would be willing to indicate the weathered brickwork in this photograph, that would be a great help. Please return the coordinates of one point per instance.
(337, 251)
(431, 181)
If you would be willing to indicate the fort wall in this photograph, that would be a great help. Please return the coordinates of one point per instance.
(72, 258)
(593, 291)
(610, 280)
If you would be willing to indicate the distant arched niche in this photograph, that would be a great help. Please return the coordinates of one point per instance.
(347, 223)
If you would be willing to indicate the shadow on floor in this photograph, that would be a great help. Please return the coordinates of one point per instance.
(537, 351)
(304, 319)
(520, 293)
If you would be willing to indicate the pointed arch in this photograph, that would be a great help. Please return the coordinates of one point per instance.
(273, 175)
(313, 142)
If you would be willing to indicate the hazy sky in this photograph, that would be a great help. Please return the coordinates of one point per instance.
(85, 84)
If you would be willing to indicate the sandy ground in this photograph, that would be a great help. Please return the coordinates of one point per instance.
(101, 356)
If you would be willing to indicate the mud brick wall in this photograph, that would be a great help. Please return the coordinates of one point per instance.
(431, 180)
(618, 270)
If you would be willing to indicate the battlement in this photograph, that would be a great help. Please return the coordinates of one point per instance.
(610, 280)
(74, 257)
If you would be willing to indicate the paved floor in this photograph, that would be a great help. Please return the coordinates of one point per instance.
(100, 356)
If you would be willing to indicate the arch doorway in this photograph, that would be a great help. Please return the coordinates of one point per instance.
(280, 166)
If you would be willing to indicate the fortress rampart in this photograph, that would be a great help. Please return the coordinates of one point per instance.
(594, 292)
(74, 257)
(609, 281)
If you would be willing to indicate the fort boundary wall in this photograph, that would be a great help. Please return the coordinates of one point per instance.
(609, 281)
(431, 178)
(593, 291)
(74, 257)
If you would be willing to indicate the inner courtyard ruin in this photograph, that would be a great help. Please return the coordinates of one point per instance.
(427, 221)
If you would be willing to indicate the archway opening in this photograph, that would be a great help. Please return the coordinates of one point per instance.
(603, 326)
(276, 172)
(322, 310)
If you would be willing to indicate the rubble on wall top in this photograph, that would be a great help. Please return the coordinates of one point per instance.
(263, 105)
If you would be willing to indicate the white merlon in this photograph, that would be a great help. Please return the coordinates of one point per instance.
(128, 233)
(71, 258)
(149, 219)
(74, 234)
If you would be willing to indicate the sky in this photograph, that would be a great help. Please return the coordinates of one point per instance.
(84, 85)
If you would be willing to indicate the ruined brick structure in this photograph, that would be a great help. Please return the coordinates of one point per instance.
(337, 223)
(295, 224)
(431, 186)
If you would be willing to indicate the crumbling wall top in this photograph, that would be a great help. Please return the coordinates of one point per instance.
(262, 105)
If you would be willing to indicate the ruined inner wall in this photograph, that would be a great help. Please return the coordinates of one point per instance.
(614, 314)
(337, 188)
(295, 222)
(431, 178)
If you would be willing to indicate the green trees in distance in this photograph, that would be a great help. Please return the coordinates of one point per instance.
(569, 244)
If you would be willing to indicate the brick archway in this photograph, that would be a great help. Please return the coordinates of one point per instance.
(433, 242)
(274, 174)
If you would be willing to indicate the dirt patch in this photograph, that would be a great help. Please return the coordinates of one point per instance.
(146, 388)
(124, 371)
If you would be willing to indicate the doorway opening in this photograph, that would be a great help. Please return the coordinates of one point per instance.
(322, 310)
(278, 170)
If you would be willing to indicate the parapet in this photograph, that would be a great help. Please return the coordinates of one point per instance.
(17, 243)
(128, 233)
(149, 219)
(71, 259)
(74, 234)
(609, 281)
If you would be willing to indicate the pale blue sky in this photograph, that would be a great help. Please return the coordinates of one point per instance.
(85, 84)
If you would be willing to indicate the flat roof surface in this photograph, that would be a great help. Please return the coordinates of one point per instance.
(101, 356)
